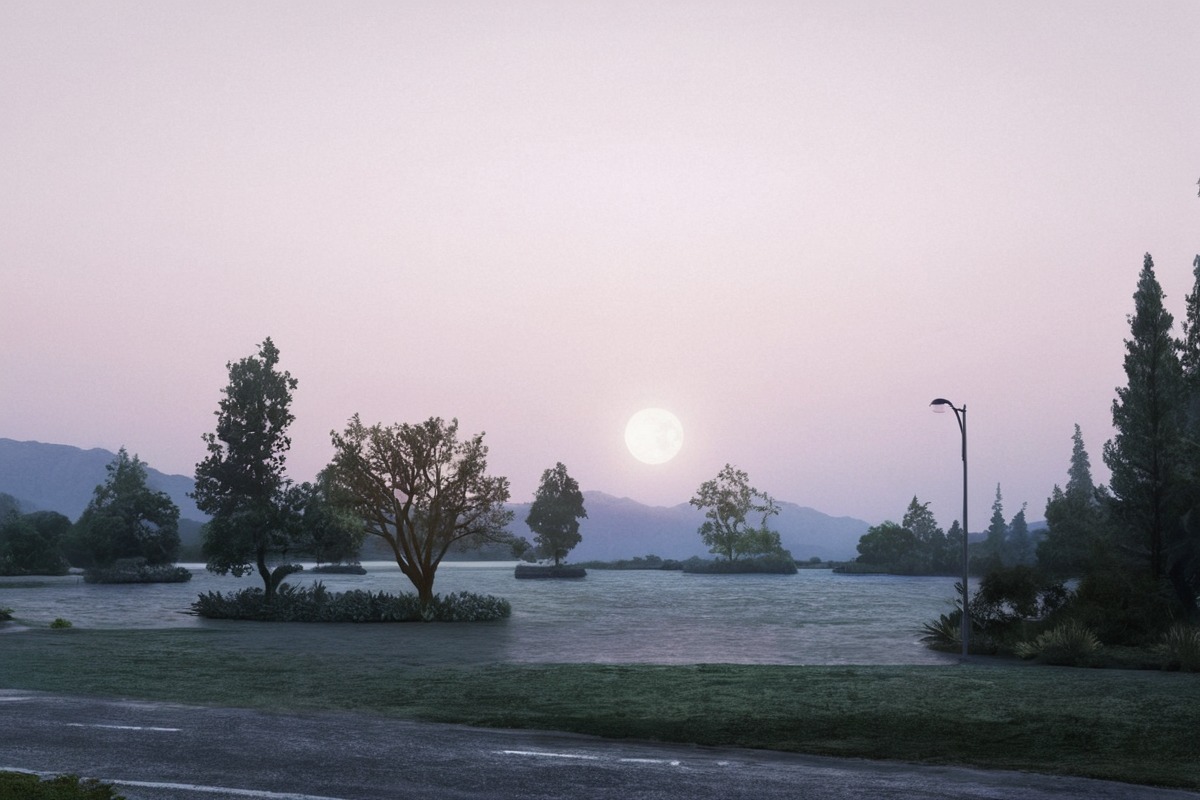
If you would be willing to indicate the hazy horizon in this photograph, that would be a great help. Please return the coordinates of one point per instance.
(791, 225)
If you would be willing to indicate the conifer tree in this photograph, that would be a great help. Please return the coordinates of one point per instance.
(1144, 455)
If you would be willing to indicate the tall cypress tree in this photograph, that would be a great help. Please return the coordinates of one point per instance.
(1144, 454)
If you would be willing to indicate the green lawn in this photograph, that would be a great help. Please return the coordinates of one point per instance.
(1135, 726)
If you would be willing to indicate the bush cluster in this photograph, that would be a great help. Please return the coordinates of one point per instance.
(1180, 648)
(317, 604)
(136, 571)
(1071, 644)
(24, 786)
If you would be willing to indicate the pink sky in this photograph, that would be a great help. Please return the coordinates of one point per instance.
(792, 224)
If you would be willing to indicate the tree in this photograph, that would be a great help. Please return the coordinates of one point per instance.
(727, 500)
(890, 545)
(256, 511)
(127, 519)
(555, 514)
(32, 544)
(931, 541)
(1074, 519)
(997, 532)
(331, 534)
(1020, 544)
(421, 490)
(1144, 455)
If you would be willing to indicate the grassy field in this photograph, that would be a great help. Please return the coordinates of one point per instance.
(1131, 726)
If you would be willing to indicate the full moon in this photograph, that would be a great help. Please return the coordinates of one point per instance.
(654, 435)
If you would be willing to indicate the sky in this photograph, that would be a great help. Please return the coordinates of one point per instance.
(791, 224)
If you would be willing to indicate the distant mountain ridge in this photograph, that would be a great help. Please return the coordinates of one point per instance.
(55, 477)
(58, 477)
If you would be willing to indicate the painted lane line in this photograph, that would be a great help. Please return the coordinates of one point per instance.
(188, 787)
(14, 699)
(224, 791)
(123, 727)
(542, 754)
(581, 757)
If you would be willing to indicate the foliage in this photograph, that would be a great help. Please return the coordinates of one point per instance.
(1071, 644)
(59, 623)
(727, 500)
(1180, 648)
(945, 632)
(1144, 454)
(890, 545)
(126, 519)
(257, 513)
(420, 490)
(136, 570)
(31, 544)
(25, 786)
(329, 532)
(649, 562)
(1076, 522)
(768, 564)
(316, 604)
(6, 614)
(555, 513)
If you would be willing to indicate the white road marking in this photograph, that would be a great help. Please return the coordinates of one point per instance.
(225, 791)
(581, 757)
(123, 727)
(14, 699)
(542, 754)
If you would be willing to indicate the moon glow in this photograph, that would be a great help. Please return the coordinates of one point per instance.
(654, 435)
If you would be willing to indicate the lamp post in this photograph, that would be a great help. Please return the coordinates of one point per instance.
(960, 414)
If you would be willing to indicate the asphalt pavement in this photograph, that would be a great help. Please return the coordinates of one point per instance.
(159, 751)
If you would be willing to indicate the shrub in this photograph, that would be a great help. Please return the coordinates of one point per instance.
(136, 571)
(1180, 648)
(317, 604)
(1071, 644)
(59, 623)
(945, 632)
(6, 614)
(24, 786)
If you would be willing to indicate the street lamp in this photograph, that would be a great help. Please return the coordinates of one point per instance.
(960, 414)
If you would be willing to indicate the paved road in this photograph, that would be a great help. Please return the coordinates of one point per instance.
(156, 751)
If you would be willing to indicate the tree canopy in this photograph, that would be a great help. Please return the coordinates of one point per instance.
(256, 510)
(421, 490)
(727, 500)
(555, 513)
(126, 519)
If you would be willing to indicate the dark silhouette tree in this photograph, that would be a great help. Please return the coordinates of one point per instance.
(127, 519)
(256, 510)
(1144, 455)
(421, 490)
(555, 513)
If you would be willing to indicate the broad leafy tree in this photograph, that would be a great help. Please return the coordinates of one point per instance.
(1144, 455)
(931, 540)
(127, 519)
(32, 544)
(331, 533)
(728, 500)
(256, 511)
(421, 490)
(890, 546)
(555, 513)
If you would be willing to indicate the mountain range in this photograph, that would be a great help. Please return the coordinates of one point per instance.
(55, 477)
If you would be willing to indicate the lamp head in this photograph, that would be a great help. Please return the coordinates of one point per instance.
(939, 405)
